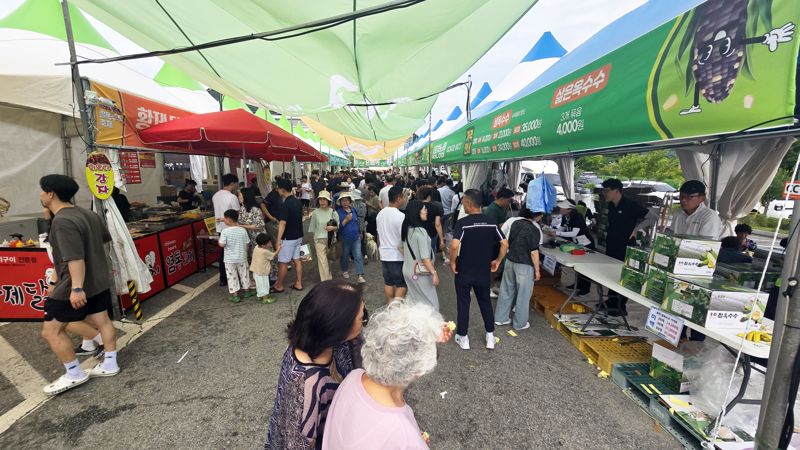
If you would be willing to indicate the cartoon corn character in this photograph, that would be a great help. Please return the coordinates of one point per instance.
(717, 35)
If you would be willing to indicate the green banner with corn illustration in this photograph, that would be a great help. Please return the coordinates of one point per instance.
(723, 67)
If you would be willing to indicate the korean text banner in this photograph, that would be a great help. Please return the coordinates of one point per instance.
(725, 66)
(119, 124)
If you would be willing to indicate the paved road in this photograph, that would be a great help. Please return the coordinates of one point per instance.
(533, 391)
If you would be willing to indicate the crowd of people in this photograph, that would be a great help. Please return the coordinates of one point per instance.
(342, 367)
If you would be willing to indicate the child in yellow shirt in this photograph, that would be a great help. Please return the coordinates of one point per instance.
(261, 266)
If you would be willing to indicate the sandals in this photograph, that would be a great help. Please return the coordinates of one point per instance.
(64, 383)
(268, 300)
(296, 288)
(234, 299)
(272, 290)
(98, 371)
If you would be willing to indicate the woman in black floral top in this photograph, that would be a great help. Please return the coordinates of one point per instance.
(324, 346)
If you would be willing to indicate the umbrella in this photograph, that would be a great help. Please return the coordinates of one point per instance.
(234, 134)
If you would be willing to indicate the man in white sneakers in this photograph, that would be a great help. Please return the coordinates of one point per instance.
(81, 291)
(472, 261)
(390, 224)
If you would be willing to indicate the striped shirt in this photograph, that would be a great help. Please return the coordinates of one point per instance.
(478, 237)
(235, 240)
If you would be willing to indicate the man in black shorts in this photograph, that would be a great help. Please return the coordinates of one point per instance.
(81, 291)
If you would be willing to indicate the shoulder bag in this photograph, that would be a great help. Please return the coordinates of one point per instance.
(419, 269)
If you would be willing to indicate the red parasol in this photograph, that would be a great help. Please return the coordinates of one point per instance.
(234, 134)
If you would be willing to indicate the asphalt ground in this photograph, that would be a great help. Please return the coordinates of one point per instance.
(533, 391)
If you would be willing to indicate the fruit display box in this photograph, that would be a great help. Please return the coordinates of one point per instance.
(685, 255)
(636, 258)
(655, 284)
(632, 279)
(714, 303)
(747, 275)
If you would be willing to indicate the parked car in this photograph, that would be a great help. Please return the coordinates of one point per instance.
(586, 179)
(654, 188)
(780, 209)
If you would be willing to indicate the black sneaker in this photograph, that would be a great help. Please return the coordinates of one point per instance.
(80, 351)
(99, 353)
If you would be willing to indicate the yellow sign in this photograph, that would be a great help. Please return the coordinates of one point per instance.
(99, 175)
(211, 225)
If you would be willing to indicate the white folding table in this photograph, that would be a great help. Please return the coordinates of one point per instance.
(571, 261)
(608, 275)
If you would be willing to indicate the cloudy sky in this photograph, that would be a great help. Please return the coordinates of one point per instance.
(571, 22)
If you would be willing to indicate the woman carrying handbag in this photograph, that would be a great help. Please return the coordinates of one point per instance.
(418, 269)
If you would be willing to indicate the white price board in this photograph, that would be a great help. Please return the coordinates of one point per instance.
(666, 326)
(549, 264)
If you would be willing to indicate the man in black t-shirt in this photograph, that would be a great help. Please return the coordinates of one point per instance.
(625, 218)
(290, 236)
(471, 259)
(271, 209)
(317, 184)
(188, 197)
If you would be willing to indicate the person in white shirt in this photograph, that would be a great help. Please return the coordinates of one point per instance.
(305, 194)
(390, 224)
(384, 193)
(224, 200)
(695, 218)
(447, 193)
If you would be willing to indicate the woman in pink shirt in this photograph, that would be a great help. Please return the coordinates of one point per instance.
(368, 410)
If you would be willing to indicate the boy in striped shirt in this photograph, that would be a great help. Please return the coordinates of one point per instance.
(234, 240)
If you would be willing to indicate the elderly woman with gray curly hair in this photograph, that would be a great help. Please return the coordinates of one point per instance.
(368, 410)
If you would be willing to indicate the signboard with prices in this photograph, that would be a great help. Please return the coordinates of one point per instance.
(664, 325)
(129, 165)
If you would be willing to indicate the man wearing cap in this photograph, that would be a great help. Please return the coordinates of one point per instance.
(361, 210)
(625, 218)
(350, 237)
(695, 218)
(321, 226)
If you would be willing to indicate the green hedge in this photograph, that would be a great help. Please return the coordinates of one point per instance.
(762, 222)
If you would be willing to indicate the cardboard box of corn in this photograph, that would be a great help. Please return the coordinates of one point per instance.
(714, 303)
(685, 255)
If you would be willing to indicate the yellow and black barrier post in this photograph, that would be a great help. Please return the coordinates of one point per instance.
(137, 309)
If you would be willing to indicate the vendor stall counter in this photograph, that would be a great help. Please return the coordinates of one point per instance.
(169, 247)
